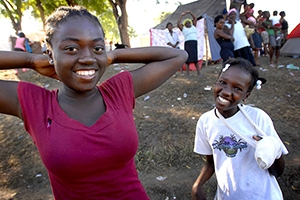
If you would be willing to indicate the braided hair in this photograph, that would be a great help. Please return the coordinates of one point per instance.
(61, 15)
(247, 67)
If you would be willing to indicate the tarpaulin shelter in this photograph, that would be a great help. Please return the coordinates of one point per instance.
(292, 45)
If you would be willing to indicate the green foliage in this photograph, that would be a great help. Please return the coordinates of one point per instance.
(132, 32)
(48, 5)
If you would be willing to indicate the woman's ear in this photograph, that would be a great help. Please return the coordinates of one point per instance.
(50, 58)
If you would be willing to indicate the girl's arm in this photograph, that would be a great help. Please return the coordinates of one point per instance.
(160, 64)
(206, 172)
(277, 167)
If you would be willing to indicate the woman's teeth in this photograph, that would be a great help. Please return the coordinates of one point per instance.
(86, 72)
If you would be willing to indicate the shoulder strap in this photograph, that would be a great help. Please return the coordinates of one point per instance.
(248, 140)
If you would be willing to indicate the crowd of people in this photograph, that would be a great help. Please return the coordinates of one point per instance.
(252, 36)
(85, 131)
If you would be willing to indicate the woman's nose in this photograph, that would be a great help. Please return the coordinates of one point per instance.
(87, 58)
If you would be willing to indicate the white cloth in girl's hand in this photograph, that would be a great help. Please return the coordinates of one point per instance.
(267, 150)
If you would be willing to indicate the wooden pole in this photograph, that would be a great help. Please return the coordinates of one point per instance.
(206, 43)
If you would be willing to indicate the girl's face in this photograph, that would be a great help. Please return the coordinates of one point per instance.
(231, 88)
(220, 24)
(78, 52)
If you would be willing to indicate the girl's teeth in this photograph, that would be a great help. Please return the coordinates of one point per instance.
(223, 100)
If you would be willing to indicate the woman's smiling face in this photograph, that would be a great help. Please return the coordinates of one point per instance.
(230, 89)
(78, 51)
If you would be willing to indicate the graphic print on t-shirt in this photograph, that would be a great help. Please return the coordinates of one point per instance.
(229, 145)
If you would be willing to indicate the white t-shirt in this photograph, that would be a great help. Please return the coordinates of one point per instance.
(189, 33)
(173, 39)
(239, 176)
(239, 35)
(275, 20)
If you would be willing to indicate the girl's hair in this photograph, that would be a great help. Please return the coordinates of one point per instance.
(247, 67)
(61, 15)
(217, 18)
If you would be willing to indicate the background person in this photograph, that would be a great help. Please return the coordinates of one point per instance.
(20, 42)
(223, 38)
(189, 31)
(284, 27)
(171, 38)
(241, 44)
(274, 45)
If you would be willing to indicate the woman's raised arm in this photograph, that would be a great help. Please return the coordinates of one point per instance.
(160, 64)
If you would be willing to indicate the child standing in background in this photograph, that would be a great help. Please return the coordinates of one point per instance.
(234, 149)
(276, 22)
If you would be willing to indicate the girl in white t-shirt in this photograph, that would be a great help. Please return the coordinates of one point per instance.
(239, 141)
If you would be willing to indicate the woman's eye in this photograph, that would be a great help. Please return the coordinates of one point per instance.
(71, 49)
(98, 49)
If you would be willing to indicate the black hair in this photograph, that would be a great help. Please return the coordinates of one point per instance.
(168, 24)
(275, 12)
(282, 13)
(61, 15)
(247, 67)
(217, 18)
(251, 5)
(21, 34)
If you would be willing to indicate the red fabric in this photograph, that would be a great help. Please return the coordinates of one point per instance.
(95, 162)
(295, 32)
(192, 66)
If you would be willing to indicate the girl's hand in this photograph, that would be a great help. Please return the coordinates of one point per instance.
(42, 66)
(257, 137)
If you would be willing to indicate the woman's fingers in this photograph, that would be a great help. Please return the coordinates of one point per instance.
(257, 137)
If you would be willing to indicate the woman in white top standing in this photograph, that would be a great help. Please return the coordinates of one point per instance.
(189, 31)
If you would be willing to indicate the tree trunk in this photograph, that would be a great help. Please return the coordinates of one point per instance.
(71, 2)
(16, 22)
(122, 19)
(38, 4)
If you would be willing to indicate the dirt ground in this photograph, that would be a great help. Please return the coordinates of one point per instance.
(166, 121)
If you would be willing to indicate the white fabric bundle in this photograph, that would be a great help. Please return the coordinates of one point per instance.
(267, 150)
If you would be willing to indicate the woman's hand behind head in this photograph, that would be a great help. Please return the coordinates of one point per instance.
(40, 63)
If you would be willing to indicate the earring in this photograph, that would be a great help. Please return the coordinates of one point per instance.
(51, 61)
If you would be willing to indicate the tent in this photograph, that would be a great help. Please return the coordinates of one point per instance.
(205, 11)
(292, 45)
